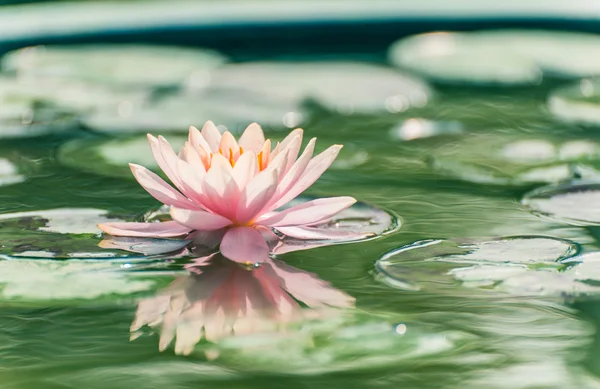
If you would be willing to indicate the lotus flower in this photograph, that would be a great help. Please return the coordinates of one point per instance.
(222, 298)
(231, 190)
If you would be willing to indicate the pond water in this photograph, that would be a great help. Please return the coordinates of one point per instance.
(476, 164)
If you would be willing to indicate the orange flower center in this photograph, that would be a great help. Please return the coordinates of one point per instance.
(233, 154)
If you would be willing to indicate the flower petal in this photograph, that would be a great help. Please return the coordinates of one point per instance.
(159, 156)
(199, 220)
(220, 189)
(212, 136)
(244, 244)
(256, 195)
(148, 230)
(294, 173)
(159, 189)
(197, 140)
(292, 148)
(174, 165)
(253, 138)
(245, 169)
(228, 145)
(191, 156)
(308, 213)
(316, 167)
(298, 132)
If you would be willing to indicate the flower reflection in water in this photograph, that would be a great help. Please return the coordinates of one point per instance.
(221, 298)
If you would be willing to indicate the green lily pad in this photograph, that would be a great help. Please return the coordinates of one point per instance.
(62, 233)
(345, 87)
(46, 280)
(133, 65)
(504, 57)
(502, 159)
(521, 265)
(176, 112)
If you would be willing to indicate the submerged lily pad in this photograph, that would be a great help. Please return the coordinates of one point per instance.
(55, 233)
(9, 173)
(176, 112)
(519, 265)
(44, 280)
(342, 86)
(416, 128)
(575, 203)
(502, 159)
(343, 343)
(498, 57)
(110, 157)
(577, 103)
(134, 65)
(25, 111)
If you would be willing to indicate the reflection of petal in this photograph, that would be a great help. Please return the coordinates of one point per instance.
(222, 298)
(310, 289)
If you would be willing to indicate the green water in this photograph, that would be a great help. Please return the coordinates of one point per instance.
(456, 337)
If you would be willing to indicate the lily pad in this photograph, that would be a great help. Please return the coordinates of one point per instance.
(176, 112)
(44, 280)
(60, 233)
(133, 65)
(501, 159)
(519, 265)
(345, 87)
(110, 157)
(24, 112)
(504, 57)
(575, 203)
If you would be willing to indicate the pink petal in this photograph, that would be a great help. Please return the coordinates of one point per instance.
(244, 245)
(316, 167)
(294, 173)
(309, 288)
(147, 230)
(193, 181)
(159, 189)
(308, 213)
(158, 154)
(174, 165)
(219, 187)
(298, 132)
(292, 148)
(252, 139)
(191, 156)
(199, 220)
(256, 195)
(245, 169)
(197, 140)
(212, 136)
(228, 145)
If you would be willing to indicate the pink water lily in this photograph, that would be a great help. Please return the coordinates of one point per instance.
(232, 189)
